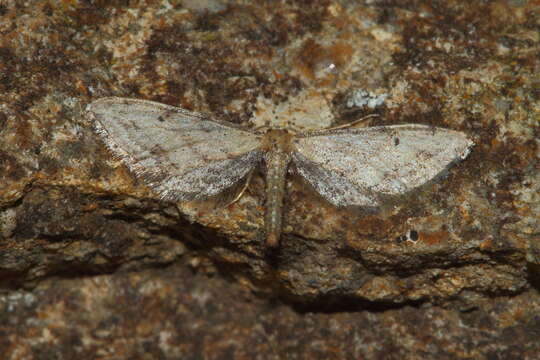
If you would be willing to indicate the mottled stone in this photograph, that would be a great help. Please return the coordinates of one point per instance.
(176, 314)
(349, 283)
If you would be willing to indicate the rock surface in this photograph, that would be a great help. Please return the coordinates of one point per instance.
(93, 265)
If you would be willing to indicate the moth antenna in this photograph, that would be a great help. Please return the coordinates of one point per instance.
(354, 123)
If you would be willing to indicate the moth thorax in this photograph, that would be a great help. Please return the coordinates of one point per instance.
(277, 140)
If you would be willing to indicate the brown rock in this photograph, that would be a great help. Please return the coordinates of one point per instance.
(449, 271)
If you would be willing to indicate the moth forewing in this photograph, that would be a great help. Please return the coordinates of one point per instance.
(352, 166)
(182, 155)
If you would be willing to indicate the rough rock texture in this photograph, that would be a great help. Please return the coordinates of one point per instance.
(92, 265)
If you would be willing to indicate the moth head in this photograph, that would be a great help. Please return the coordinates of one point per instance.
(277, 139)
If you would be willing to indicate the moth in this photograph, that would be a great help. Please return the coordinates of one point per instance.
(185, 156)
